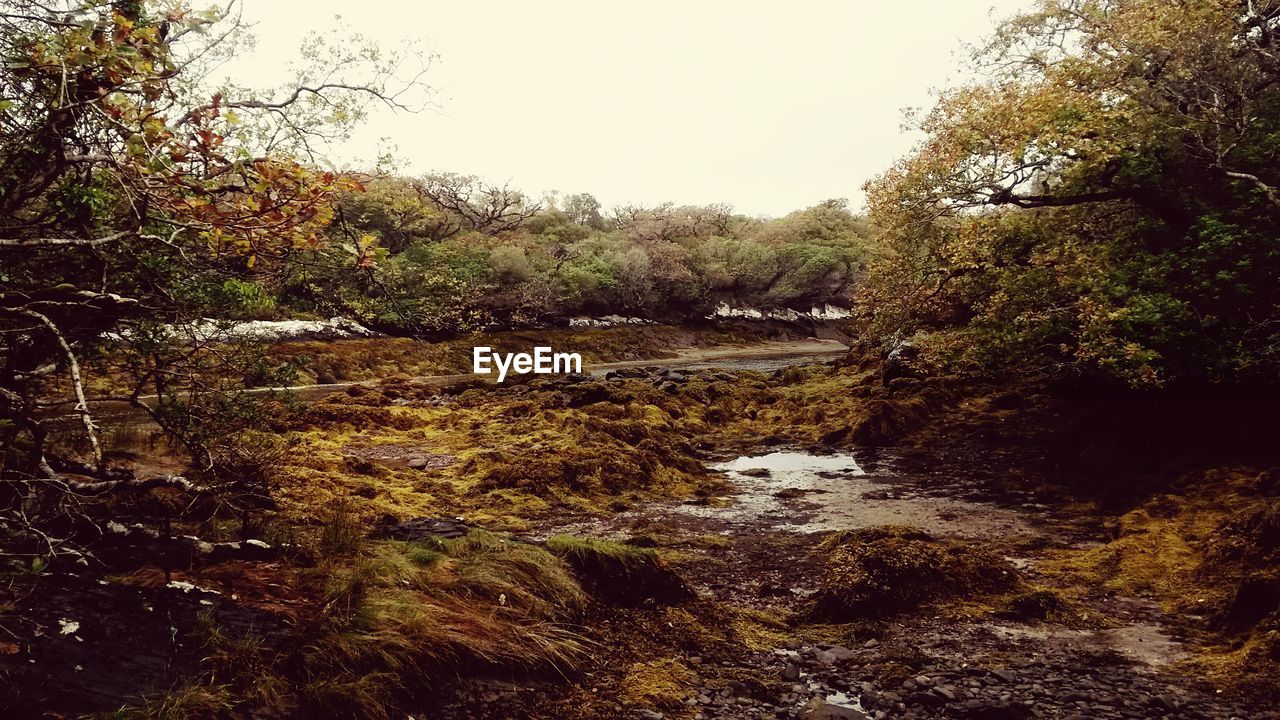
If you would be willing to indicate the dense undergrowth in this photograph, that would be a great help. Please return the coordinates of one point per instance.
(373, 614)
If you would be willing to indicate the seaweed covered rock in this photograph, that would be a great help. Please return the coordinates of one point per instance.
(620, 574)
(662, 683)
(610, 457)
(890, 569)
(889, 419)
(1036, 604)
(1255, 599)
(1243, 552)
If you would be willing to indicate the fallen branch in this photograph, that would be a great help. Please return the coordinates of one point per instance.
(197, 550)
(100, 486)
(86, 487)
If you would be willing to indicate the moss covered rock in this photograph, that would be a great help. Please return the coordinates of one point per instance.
(619, 574)
(890, 569)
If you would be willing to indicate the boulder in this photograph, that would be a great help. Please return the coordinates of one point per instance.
(421, 528)
(901, 362)
(890, 569)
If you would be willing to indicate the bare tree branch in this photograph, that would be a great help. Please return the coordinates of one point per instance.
(49, 242)
(1273, 196)
(77, 382)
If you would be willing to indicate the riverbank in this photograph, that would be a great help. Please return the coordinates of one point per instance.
(792, 542)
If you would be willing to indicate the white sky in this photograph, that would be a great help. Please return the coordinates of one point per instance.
(767, 106)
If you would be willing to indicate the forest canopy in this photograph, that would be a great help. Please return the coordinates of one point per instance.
(448, 253)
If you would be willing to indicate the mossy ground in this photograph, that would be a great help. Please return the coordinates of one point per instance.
(518, 458)
(1207, 553)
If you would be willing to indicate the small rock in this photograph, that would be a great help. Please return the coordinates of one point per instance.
(821, 710)
(1005, 675)
(835, 654)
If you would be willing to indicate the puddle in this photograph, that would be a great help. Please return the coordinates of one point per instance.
(846, 702)
(792, 462)
(805, 492)
(800, 492)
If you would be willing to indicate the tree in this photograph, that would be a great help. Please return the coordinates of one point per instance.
(584, 209)
(669, 222)
(1104, 201)
(130, 190)
(828, 223)
(397, 212)
(477, 205)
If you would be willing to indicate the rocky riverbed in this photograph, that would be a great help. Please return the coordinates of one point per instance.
(1111, 658)
(658, 541)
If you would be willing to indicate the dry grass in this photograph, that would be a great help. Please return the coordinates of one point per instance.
(399, 613)
(389, 619)
(477, 599)
(620, 574)
(188, 702)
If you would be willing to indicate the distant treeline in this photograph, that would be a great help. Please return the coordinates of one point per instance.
(447, 253)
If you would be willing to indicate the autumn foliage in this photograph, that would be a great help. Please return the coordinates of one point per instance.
(1103, 202)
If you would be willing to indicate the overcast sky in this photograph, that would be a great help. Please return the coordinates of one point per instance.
(769, 107)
